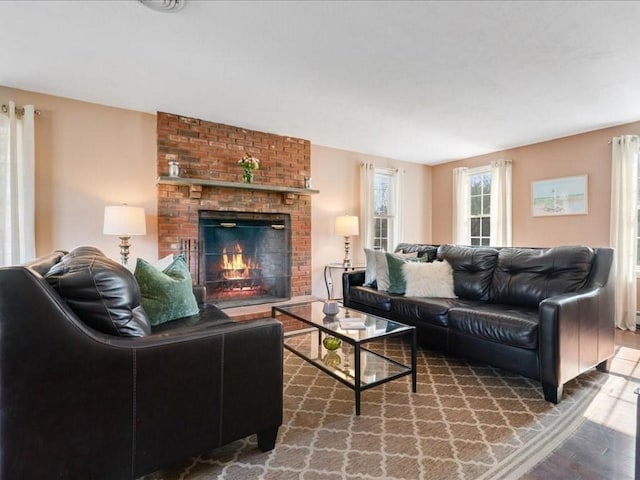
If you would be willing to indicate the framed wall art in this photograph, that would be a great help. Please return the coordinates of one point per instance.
(559, 196)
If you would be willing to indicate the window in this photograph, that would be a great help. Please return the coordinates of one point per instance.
(481, 213)
(383, 193)
(380, 206)
(480, 206)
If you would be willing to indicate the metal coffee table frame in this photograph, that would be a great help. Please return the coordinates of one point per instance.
(307, 344)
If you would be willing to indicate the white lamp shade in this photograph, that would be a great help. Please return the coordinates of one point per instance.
(347, 225)
(124, 220)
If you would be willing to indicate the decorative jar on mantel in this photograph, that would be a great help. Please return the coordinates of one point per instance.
(174, 169)
(247, 176)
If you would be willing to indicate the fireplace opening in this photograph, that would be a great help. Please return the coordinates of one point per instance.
(245, 258)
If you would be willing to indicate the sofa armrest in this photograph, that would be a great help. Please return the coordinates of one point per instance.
(576, 332)
(350, 279)
(196, 390)
(66, 397)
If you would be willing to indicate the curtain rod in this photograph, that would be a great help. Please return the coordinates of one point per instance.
(19, 110)
(618, 140)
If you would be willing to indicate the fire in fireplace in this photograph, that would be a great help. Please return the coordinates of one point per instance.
(234, 265)
(245, 258)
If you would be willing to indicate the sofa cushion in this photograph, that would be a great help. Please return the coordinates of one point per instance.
(528, 276)
(103, 293)
(209, 316)
(370, 297)
(428, 251)
(427, 310)
(499, 323)
(168, 294)
(43, 264)
(472, 269)
(433, 279)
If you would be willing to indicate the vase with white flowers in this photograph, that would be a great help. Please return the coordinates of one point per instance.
(248, 164)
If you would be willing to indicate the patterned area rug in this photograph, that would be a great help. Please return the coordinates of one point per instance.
(467, 421)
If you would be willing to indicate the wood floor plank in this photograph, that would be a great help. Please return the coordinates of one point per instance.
(603, 447)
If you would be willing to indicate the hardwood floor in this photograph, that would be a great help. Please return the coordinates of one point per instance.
(603, 447)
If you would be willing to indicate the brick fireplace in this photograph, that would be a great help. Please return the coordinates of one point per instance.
(208, 155)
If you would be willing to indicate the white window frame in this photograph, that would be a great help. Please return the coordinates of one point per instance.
(392, 214)
(475, 172)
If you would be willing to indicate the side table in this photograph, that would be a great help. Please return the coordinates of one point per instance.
(329, 268)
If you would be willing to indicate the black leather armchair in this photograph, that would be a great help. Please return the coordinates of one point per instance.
(79, 404)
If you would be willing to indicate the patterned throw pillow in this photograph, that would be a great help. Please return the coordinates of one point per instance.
(168, 294)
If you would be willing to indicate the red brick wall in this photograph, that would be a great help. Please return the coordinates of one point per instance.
(210, 150)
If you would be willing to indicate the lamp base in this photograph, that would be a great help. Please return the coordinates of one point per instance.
(346, 263)
(124, 250)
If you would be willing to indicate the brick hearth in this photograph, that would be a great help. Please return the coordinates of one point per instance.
(207, 150)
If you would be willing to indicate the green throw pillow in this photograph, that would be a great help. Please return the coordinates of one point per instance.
(167, 294)
(397, 282)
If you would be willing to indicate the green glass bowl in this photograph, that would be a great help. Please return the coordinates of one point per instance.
(332, 360)
(331, 343)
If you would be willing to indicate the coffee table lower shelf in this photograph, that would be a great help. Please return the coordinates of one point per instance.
(355, 366)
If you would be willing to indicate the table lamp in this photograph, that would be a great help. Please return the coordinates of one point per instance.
(346, 226)
(124, 221)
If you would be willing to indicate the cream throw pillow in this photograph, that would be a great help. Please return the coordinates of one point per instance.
(370, 272)
(382, 270)
(161, 264)
(433, 279)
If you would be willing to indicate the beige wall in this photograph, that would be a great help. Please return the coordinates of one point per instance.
(588, 153)
(336, 173)
(89, 156)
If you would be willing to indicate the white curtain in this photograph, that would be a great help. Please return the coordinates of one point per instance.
(501, 203)
(623, 232)
(367, 174)
(461, 206)
(17, 177)
(399, 213)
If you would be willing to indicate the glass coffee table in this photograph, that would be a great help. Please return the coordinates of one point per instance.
(357, 367)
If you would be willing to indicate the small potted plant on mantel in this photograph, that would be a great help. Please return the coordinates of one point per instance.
(248, 164)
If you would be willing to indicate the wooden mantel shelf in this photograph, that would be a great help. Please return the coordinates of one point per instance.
(247, 186)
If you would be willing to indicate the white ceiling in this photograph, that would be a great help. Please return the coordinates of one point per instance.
(424, 82)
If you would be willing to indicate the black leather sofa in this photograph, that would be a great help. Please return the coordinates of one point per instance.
(79, 404)
(547, 314)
